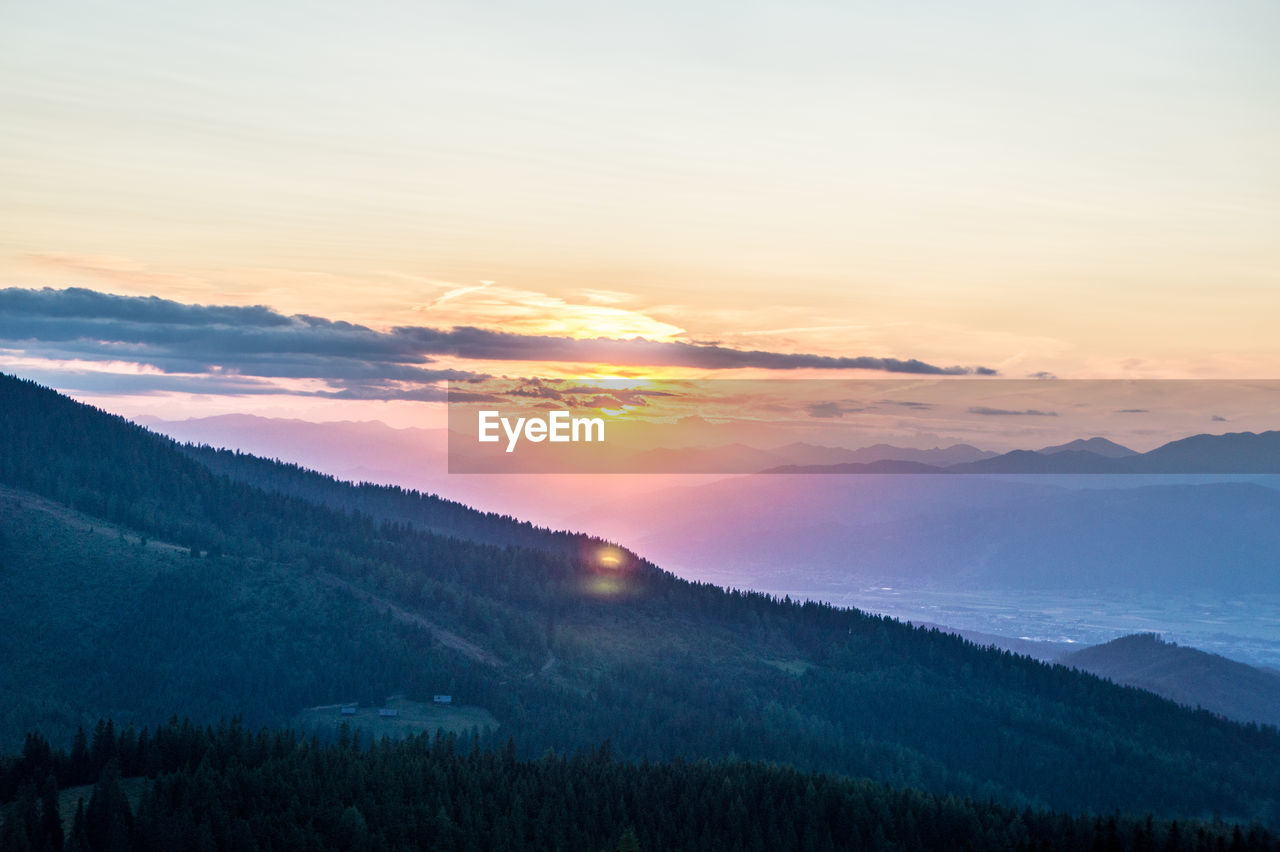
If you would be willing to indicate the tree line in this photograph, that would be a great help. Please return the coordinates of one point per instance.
(227, 787)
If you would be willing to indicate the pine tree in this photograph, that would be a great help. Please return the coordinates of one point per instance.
(108, 820)
(629, 842)
(22, 823)
(78, 841)
(81, 771)
(50, 818)
(353, 831)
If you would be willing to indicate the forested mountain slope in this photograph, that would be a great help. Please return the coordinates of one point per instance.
(386, 502)
(262, 603)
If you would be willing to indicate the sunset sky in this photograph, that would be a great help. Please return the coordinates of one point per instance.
(1081, 189)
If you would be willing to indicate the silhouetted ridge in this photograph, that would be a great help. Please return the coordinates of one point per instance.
(106, 466)
(386, 502)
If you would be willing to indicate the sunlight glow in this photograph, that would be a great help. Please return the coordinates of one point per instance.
(610, 558)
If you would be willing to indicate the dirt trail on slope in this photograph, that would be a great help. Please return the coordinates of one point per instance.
(445, 637)
(79, 521)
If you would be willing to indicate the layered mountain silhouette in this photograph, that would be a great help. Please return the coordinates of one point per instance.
(1234, 453)
(1097, 446)
(142, 579)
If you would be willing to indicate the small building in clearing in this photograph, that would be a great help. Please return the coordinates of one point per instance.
(443, 699)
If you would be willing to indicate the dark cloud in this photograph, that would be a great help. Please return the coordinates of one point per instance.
(1042, 374)
(1218, 418)
(538, 389)
(830, 409)
(1133, 411)
(217, 384)
(1006, 412)
(625, 396)
(142, 384)
(483, 344)
(358, 362)
(907, 403)
(456, 394)
(583, 396)
(177, 338)
(421, 393)
(80, 303)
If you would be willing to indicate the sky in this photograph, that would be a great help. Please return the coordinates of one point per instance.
(1087, 190)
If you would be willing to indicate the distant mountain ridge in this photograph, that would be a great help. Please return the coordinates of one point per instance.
(1189, 676)
(1097, 446)
(1186, 675)
(953, 454)
(362, 446)
(1232, 453)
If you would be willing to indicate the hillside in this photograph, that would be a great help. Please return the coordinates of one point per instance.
(102, 621)
(1185, 675)
(140, 583)
(386, 503)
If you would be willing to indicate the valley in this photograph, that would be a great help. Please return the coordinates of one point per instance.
(1242, 629)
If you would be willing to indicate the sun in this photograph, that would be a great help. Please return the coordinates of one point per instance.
(609, 558)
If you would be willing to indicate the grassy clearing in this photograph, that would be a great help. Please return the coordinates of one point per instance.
(793, 667)
(69, 797)
(415, 717)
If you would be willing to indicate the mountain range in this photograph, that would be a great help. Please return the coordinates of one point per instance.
(142, 579)
(1233, 453)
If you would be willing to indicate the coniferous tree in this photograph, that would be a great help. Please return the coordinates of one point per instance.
(81, 771)
(629, 842)
(22, 824)
(78, 839)
(50, 817)
(108, 820)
